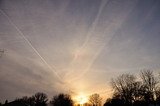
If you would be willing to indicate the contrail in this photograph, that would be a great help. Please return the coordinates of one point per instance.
(97, 41)
(89, 34)
(102, 5)
(93, 26)
(29, 43)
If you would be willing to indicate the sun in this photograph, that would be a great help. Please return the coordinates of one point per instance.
(82, 99)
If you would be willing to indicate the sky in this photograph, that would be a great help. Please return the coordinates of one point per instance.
(75, 46)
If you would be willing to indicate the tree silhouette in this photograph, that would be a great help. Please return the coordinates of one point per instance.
(26, 100)
(17, 102)
(158, 96)
(129, 91)
(95, 100)
(62, 100)
(150, 83)
(126, 88)
(6, 102)
(114, 102)
(31, 101)
(40, 99)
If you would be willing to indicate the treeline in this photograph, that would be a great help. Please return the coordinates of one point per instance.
(40, 99)
(129, 90)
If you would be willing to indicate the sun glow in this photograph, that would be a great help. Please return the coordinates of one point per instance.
(82, 99)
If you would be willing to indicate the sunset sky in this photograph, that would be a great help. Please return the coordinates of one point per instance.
(75, 46)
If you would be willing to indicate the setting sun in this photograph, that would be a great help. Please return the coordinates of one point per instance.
(81, 99)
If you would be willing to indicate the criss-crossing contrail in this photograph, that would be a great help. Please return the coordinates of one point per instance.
(94, 24)
(96, 42)
(89, 39)
(30, 44)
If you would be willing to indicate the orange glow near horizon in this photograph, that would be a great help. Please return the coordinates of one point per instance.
(81, 99)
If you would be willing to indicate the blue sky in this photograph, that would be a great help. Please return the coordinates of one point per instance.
(74, 46)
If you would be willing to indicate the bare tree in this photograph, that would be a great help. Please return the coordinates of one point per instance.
(126, 88)
(95, 100)
(150, 83)
(40, 99)
(128, 91)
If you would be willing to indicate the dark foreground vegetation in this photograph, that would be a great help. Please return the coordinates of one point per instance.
(129, 90)
(40, 99)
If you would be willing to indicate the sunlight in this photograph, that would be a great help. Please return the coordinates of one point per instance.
(82, 99)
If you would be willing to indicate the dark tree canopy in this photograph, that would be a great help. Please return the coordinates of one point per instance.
(125, 87)
(40, 99)
(62, 100)
(130, 91)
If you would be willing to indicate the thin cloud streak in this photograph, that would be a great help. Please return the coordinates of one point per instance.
(96, 42)
(30, 44)
(89, 34)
